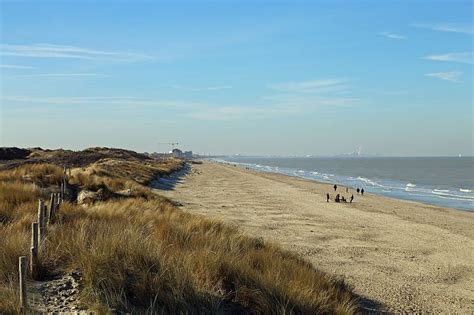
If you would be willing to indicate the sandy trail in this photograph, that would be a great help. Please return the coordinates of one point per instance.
(408, 256)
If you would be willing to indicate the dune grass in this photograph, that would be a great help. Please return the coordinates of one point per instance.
(143, 255)
(40, 174)
(142, 172)
(118, 175)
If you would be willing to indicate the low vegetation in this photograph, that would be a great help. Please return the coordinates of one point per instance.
(141, 254)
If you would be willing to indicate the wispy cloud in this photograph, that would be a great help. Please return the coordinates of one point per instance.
(116, 102)
(58, 75)
(16, 67)
(267, 107)
(448, 27)
(305, 101)
(309, 86)
(73, 52)
(237, 112)
(392, 35)
(452, 76)
(271, 106)
(205, 88)
(463, 57)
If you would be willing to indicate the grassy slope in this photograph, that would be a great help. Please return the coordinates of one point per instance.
(142, 254)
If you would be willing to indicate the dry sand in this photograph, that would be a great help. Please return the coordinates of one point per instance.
(408, 256)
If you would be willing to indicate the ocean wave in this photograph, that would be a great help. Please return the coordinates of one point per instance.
(460, 199)
(410, 185)
(369, 181)
(446, 195)
(465, 190)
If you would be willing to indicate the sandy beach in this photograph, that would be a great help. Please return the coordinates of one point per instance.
(407, 256)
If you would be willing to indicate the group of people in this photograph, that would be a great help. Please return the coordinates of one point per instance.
(340, 198)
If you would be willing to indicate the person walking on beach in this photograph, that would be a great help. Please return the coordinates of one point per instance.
(362, 191)
(358, 190)
(337, 198)
(335, 187)
(347, 189)
(327, 197)
(352, 198)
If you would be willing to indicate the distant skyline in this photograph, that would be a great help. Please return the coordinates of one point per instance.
(239, 77)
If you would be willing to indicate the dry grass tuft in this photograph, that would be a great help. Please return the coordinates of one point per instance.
(14, 196)
(40, 174)
(143, 255)
(9, 299)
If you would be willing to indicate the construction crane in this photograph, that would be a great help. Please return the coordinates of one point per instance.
(172, 144)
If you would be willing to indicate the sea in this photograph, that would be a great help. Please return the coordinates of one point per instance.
(442, 181)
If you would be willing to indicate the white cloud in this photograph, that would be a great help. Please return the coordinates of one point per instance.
(448, 27)
(305, 101)
(58, 75)
(239, 112)
(326, 85)
(452, 76)
(104, 101)
(392, 35)
(62, 51)
(16, 67)
(463, 57)
(278, 105)
(206, 88)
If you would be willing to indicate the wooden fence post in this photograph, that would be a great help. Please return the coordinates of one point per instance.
(34, 251)
(57, 198)
(22, 269)
(45, 215)
(62, 190)
(63, 187)
(52, 209)
(41, 228)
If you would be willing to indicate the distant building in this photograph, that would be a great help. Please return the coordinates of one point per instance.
(177, 153)
(188, 154)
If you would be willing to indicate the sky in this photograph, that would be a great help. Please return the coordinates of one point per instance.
(239, 77)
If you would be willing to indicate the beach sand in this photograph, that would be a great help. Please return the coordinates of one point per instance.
(407, 256)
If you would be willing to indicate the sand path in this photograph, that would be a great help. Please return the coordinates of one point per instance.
(409, 256)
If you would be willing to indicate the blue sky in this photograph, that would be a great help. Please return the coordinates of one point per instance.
(249, 77)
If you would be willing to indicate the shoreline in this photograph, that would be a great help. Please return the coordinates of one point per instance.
(293, 172)
(344, 186)
(329, 189)
(406, 255)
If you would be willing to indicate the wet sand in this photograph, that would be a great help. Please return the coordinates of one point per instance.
(408, 256)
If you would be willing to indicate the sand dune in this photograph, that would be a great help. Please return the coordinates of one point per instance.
(408, 256)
